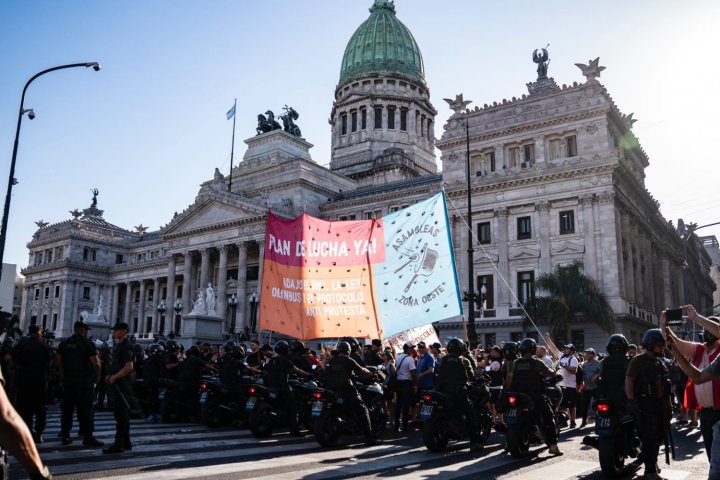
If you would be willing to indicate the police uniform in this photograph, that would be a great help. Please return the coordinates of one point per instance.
(278, 368)
(529, 378)
(612, 378)
(338, 378)
(32, 359)
(121, 391)
(455, 371)
(78, 384)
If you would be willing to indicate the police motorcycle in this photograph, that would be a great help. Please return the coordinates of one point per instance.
(442, 423)
(220, 405)
(332, 419)
(266, 413)
(180, 402)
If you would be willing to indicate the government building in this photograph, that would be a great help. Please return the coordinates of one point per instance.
(556, 176)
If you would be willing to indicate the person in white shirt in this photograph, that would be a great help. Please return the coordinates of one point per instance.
(567, 367)
(542, 354)
(406, 382)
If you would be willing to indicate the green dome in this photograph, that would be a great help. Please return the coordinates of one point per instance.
(382, 44)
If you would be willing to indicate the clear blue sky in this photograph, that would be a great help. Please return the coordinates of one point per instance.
(150, 127)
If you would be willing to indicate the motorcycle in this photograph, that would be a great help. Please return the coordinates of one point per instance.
(617, 437)
(442, 423)
(265, 413)
(178, 401)
(220, 405)
(333, 418)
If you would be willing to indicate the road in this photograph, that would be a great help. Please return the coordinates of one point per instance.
(187, 451)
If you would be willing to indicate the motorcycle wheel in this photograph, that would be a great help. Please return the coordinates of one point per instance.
(434, 434)
(212, 414)
(378, 420)
(327, 430)
(612, 461)
(518, 441)
(485, 426)
(261, 421)
(167, 412)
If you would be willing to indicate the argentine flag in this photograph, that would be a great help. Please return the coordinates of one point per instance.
(231, 113)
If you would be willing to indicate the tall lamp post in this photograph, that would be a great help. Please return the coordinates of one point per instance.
(161, 308)
(232, 303)
(177, 306)
(253, 311)
(31, 114)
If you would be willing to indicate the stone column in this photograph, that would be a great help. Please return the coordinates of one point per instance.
(204, 268)
(141, 309)
(170, 297)
(128, 299)
(543, 209)
(24, 309)
(629, 272)
(241, 287)
(75, 304)
(503, 261)
(588, 230)
(156, 301)
(187, 280)
(222, 282)
(261, 257)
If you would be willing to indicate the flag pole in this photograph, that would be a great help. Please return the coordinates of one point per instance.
(232, 147)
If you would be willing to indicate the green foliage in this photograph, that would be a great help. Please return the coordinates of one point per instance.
(568, 294)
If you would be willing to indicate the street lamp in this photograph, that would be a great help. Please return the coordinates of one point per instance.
(253, 311)
(232, 303)
(177, 306)
(161, 308)
(31, 115)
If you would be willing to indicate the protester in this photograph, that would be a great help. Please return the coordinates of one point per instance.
(406, 382)
(591, 374)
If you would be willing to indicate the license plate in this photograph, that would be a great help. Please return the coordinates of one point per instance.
(603, 426)
(161, 395)
(426, 412)
(203, 398)
(317, 408)
(250, 403)
(511, 416)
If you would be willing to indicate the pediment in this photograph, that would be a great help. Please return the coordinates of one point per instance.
(567, 247)
(486, 257)
(524, 252)
(211, 214)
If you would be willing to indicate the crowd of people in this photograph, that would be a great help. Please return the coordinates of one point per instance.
(85, 376)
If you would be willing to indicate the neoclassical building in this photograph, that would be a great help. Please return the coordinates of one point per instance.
(556, 176)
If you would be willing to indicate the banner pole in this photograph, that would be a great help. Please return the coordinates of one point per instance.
(465, 330)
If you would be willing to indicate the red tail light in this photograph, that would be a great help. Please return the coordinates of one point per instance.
(251, 390)
(203, 386)
(512, 401)
(317, 395)
(427, 397)
(603, 407)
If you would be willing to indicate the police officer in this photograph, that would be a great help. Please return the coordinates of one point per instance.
(298, 357)
(613, 369)
(32, 360)
(172, 362)
(79, 365)
(338, 378)
(648, 399)
(355, 352)
(278, 368)
(232, 368)
(153, 372)
(509, 354)
(528, 377)
(120, 383)
(455, 371)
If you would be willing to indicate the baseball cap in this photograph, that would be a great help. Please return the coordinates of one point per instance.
(570, 346)
(437, 345)
(590, 350)
(421, 345)
(121, 326)
(408, 345)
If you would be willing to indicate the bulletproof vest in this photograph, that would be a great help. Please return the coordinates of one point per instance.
(338, 372)
(230, 370)
(612, 382)
(75, 361)
(154, 367)
(646, 382)
(525, 378)
(453, 374)
(299, 360)
(278, 369)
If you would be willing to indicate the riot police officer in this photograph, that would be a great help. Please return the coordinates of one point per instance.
(509, 354)
(355, 352)
(297, 356)
(613, 369)
(79, 365)
(278, 368)
(154, 367)
(32, 360)
(172, 363)
(648, 398)
(120, 384)
(338, 378)
(455, 371)
(528, 377)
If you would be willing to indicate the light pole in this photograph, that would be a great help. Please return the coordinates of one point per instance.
(232, 303)
(31, 114)
(177, 306)
(253, 311)
(161, 308)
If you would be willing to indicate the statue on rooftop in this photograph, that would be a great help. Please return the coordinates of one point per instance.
(267, 124)
(95, 192)
(542, 58)
(288, 123)
(592, 70)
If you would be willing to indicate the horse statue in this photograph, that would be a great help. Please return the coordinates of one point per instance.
(267, 124)
(288, 123)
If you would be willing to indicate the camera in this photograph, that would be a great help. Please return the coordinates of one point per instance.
(674, 316)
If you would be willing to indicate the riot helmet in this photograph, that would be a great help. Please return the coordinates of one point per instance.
(354, 345)
(527, 345)
(297, 346)
(455, 346)
(282, 348)
(617, 344)
(172, 346)
(343, 347)
(229, 345)
(509, 350)
(156, 350)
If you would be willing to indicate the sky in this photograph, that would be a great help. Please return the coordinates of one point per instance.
(150, 127)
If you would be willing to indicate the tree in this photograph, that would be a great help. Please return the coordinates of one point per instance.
(569, 293)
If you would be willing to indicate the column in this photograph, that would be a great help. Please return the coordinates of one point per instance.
(156, 302)
(170, 297)
(221, 304)
(543, 209)
(187, 279)
(588, 229)
(241, 287)
(113, 313)
(204, 268)
(629, 273)
(75, 303)
(503, 261)
(141, 309)
(25, 309)
(128, 298)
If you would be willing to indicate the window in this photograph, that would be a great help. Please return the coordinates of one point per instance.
(422, 126)
(403, 119)
(33, 320)
(524, 228)
(49, 256)
(555, 149)
(490, 340)
(137, 295)
(391, 118)
(178, 289)
(47, 293)
(119, 258)
(577, 338)
(54, 322)
(514, 157)
(526, 286)
(491, 161)
(353, 121)
(372, 214)
(37, 293)
(151, 294)
(343, 122)
(86, 293)
(528, 154)
(57, 291)
(44, 321)
(347, 217)
(487, 280)
(571, 145)
(378, 117)
(516, 336)
(363, 118)
(567, 222)
(483, 233)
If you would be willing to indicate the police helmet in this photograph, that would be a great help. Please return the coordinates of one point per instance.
(617, 344)
(229, 345)
(137, 349)
(509, 350)
(156, 350)
(282, 347)
(455, 346)
(354, 345)
(343, 347)
(527, 345)
(297, 346)
(172, 346)
(708, 337)
(193, 351)
(161, 343)
(652, 339)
